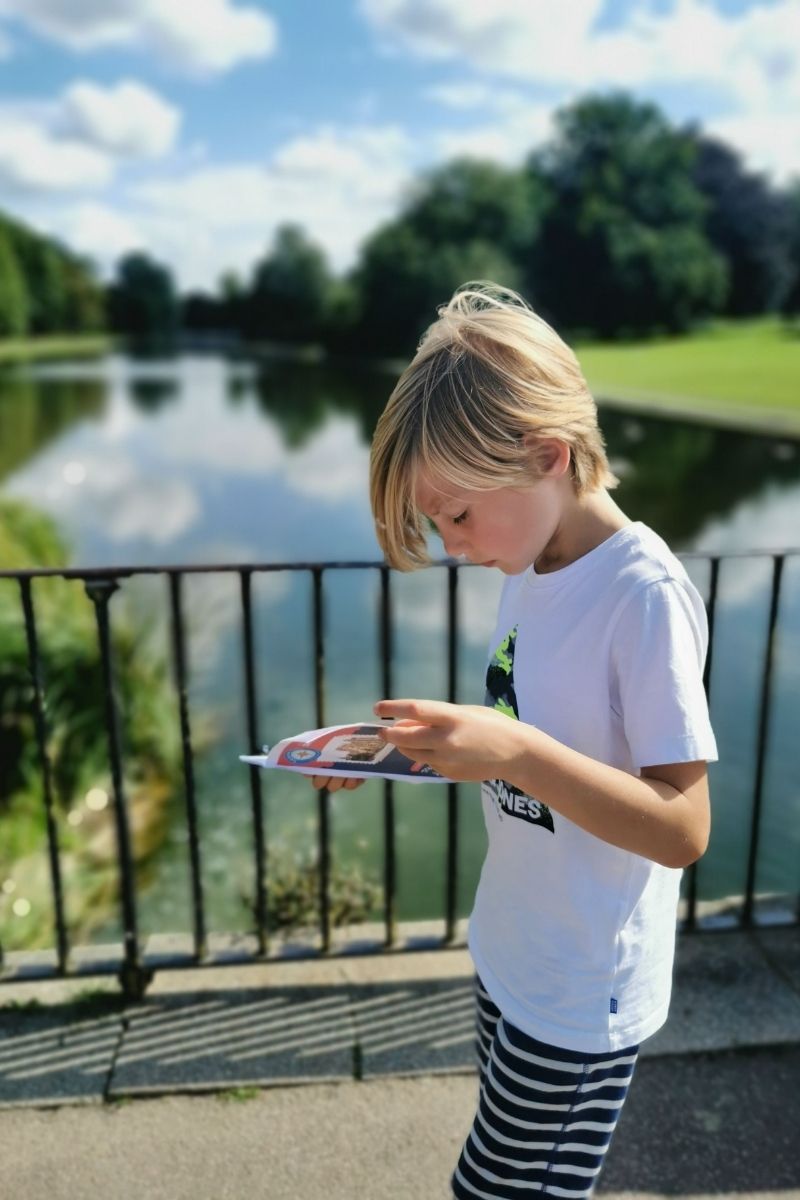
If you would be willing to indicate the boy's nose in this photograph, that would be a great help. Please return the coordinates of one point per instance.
(454, 547)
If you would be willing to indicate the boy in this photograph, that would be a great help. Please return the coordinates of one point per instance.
(591, 746)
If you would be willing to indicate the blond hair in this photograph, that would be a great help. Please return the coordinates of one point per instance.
(487, 372)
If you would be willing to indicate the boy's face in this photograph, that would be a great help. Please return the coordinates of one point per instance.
(507, 528)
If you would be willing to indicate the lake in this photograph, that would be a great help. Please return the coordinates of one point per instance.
(202, 459)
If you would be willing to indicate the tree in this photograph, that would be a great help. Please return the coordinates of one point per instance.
(14, 306)
(289, 294)
(201, 312)
(84, 301)
(142, 301)
(747, 222)
(43, 265)
(466, 220)
(622, 247)
(232, 294)
(62, 289)
(402, 279)
(791, 300)
(471, 200)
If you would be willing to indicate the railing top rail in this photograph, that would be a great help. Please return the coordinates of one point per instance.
(349, 565)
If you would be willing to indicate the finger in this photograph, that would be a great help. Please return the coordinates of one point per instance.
(335, 782)
(432, 712)
(326, 781)
(415, 742)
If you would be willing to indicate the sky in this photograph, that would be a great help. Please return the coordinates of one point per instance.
(194, 128)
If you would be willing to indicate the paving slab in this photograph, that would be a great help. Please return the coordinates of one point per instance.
(726, 994)
(417, 1027)
(221, 1039)
(61, 1054)
(781, 950)
(710, 1124)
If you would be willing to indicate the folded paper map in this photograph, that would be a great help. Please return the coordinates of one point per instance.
(357, 751)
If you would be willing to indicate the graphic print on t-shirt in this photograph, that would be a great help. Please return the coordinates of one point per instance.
(500, 695)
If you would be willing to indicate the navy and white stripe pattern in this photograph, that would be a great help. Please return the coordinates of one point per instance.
(545, 1115)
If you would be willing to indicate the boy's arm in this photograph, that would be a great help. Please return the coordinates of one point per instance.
(662, 815)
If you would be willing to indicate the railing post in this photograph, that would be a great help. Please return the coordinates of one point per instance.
(39, 707)
(323, 806)
(763, 730)
(133, 976)
(711, 610)
(180, 670)
(389, 859)
(260, 908)
(451, 889)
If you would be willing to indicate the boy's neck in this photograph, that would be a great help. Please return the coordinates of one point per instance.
(587, 522)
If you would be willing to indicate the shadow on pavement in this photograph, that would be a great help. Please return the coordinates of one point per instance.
(727, 1122)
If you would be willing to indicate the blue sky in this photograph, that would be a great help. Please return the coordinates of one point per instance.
(195, 129)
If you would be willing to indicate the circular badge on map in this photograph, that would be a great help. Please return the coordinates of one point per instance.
(303, 755)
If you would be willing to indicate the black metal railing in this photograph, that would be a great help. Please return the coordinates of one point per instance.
(100, 585)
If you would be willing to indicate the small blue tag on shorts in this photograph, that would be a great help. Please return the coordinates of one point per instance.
(613, 1005)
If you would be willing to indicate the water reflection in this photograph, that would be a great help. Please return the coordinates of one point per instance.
(35, 412)
(301, 397)
(149, 395)
(681, 476)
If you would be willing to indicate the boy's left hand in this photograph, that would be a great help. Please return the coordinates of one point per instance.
(465, 742)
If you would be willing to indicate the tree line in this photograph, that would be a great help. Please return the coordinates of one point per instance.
(622, 225)
(45, 287)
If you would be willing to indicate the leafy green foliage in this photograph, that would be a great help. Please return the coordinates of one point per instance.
(14, 299)
(748, 222)
(293, 901)
(623, 248)
(44, 287)
(142, 301)
(77, 742)
(289, 295)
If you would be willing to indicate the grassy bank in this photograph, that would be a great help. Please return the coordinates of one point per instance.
(56, 346)
(748, 365)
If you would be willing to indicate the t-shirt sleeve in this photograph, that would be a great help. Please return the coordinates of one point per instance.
(658, 652)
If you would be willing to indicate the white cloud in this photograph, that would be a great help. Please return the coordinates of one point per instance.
(513, 124)
(694, 40)
(519, 40)
(473, 94)
(768, 142)
(203, 36)
(337, 184)
(128, 119)
(751, 59)
(73, 142)
(32, 159)
(99, 231)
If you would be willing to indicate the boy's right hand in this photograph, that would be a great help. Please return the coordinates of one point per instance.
(334, 782)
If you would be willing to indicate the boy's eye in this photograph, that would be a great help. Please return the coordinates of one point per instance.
(459, 519)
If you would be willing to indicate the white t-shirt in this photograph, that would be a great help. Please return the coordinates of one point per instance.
(572, 937)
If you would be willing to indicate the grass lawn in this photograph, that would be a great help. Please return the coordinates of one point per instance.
(57, 346)
(753, 365)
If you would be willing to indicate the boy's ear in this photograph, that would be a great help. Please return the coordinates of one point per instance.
(550, 456)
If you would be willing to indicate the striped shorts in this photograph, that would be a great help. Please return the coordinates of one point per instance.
(545, 1115)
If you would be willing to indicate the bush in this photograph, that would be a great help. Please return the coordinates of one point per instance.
(77, 742)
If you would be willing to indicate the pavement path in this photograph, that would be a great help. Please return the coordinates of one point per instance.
(353, 1079)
